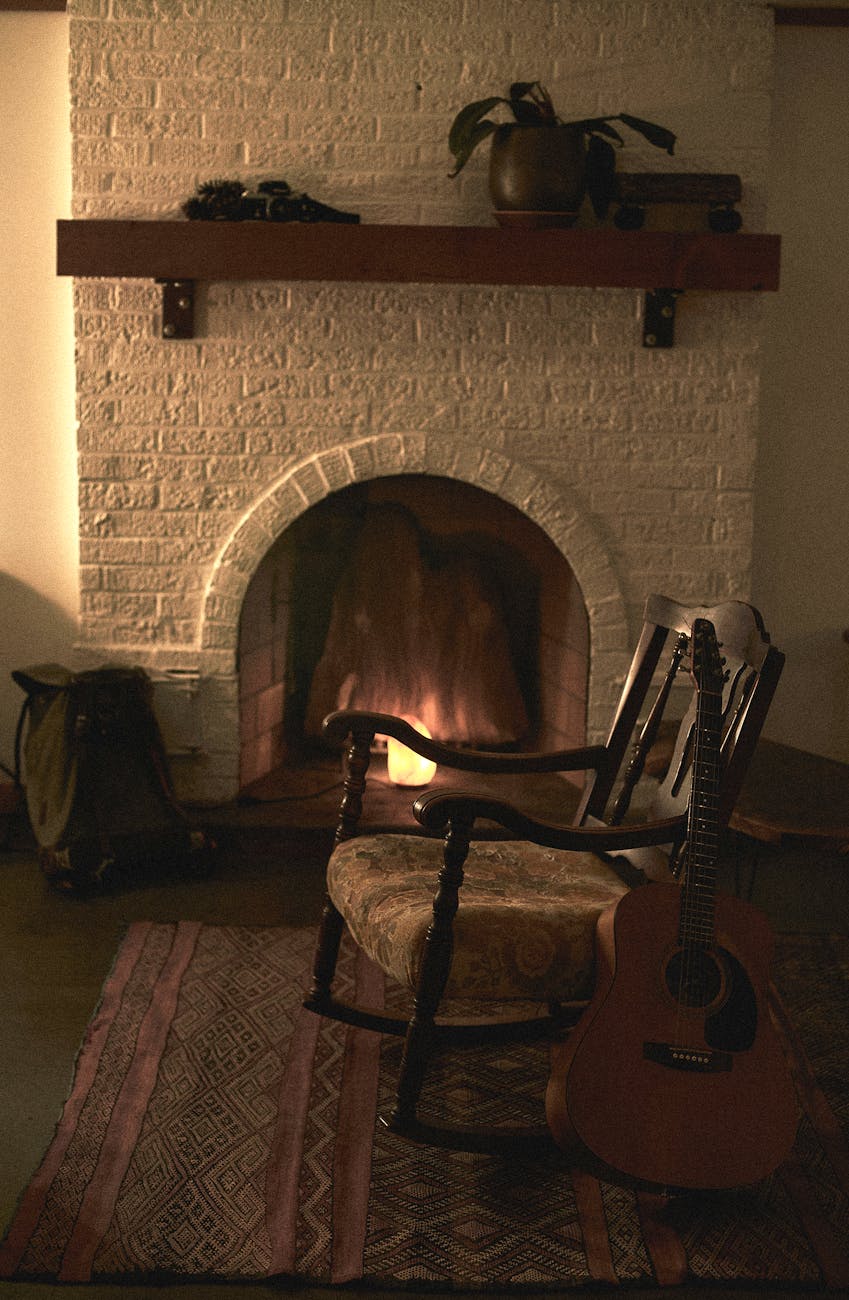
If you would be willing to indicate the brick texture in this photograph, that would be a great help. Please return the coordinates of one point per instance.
(194, 456)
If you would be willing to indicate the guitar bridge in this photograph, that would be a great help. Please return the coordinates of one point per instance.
(678, 1057)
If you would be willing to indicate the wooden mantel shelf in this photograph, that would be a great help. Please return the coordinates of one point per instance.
(180, 252)
(258, 250)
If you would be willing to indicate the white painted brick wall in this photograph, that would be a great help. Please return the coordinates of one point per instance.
(639, 464)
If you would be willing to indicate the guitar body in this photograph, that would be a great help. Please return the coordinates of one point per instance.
(675, 1076)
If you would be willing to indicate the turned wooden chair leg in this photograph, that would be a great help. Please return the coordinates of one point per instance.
(332, 924)
(356, 767)
(330, 933)
(433, 977)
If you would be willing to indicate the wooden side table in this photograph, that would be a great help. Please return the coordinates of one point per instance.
(790, 796)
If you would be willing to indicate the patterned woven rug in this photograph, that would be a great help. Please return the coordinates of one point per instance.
(216, 1131)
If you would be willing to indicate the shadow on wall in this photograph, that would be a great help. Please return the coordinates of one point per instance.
(34, 630)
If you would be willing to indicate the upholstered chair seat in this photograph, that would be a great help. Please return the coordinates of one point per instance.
(525, 930)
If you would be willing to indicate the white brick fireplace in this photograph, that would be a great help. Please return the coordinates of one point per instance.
(196, 456)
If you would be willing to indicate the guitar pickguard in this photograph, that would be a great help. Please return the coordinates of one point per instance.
(733, 1027)
(695, 978)
(714, 982)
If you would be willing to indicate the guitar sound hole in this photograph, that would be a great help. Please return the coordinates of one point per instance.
(694, 978)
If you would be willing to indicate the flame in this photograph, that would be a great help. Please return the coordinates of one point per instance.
(407, 636)
(403, 765)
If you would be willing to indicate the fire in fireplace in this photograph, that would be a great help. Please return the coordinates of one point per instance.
(422, 624)
(417, 596)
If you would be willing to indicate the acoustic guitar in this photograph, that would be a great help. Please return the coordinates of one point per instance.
(674, 1076)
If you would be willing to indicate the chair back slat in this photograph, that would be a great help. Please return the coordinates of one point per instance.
(753, 667)
(648, 736)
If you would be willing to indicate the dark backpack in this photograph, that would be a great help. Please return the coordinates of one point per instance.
(98, 787)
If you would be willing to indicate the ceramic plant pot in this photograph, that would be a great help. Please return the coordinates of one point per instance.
(537, 170)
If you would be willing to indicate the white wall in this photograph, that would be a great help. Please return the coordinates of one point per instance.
(801, 558)
(38, 514)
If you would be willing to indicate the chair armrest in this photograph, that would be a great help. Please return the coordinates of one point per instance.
(436, 809)
(344, 722)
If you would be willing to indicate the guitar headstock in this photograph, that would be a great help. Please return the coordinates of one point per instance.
(708, 668)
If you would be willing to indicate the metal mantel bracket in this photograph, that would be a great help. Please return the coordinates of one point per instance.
(178, 309)
(659, 318)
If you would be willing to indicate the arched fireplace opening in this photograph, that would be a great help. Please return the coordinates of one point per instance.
(418, 595)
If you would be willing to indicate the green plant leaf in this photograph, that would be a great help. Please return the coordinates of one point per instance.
(470, 141)
(599, 126)
(656, 135)
(521, 88)
(529, 114)
(465, 120)
(465, 134)
(540, 110)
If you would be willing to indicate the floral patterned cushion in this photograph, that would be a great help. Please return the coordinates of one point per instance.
(525, 926)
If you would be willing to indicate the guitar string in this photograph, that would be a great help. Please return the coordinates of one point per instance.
(696, 987)
(710, 794)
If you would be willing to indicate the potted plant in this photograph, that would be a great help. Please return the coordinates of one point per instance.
(540, 164)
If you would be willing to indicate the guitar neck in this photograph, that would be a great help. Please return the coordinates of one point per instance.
(698, 901)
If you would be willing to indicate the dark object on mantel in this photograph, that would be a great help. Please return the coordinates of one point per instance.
(272, 201)
(717, 191)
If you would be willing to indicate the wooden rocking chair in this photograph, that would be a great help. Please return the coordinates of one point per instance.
(403, 896)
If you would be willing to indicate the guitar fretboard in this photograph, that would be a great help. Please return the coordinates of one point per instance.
(698, 901)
